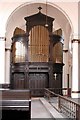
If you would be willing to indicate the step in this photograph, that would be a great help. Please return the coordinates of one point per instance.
(38, 110)
(54, 113)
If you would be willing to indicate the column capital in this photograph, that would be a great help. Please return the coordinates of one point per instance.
(7, 49)
(2, 39)
(65, 50)
(75, 41)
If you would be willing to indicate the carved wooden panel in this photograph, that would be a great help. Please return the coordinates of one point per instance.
(18, 80)
(38, 80)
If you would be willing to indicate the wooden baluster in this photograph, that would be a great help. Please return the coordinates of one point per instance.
(77, 112)
(59, 104)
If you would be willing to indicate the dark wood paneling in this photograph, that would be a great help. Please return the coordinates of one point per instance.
(36, 75)
(38, 80)
(18, 80)
(19, 75)
(38, 19)
(5, 86)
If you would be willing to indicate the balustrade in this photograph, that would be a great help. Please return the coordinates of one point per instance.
(65, 105)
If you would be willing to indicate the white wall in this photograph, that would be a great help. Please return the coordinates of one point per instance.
(2, 60)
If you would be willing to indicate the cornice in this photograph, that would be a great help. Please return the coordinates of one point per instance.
(75, 41)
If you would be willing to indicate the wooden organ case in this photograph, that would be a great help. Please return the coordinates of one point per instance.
(36, 56)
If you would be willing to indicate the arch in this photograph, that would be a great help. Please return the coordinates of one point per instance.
(30, 8)
(30, 5)
(49, 3)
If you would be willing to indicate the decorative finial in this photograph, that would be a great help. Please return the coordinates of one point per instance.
(39, 9)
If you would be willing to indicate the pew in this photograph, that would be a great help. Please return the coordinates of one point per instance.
(15, 103)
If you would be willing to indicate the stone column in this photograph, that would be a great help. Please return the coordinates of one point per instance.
(76, 69)
(2, 60)
(7, 76)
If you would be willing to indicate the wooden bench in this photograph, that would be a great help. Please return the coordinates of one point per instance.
(15, 103)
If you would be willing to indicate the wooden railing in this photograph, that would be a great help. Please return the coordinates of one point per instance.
(61, 91)
(40, 91)
(65, 105)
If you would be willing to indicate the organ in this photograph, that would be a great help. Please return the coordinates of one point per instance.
(36, 56)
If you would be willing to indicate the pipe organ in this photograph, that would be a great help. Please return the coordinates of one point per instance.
(39, 44)
(36, 56)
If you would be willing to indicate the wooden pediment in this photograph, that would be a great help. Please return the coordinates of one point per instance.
(39, 19)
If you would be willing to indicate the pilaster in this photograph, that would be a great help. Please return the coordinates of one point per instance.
(2, 60)
(76, 69)
(7, 65)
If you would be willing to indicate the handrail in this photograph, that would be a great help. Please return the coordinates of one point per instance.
(62, 91)
(65, 105)
(61, 96)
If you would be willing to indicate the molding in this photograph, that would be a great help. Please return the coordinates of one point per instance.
(75, 91)
(6, 49)
(65, 50)
(76, 41)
